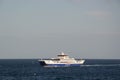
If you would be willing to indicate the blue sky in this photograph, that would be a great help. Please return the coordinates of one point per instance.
(44, 28)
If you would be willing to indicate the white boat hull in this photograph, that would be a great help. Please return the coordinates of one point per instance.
(62, 60)
(49, 63)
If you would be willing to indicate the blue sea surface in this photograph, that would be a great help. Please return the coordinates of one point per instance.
(29, 69)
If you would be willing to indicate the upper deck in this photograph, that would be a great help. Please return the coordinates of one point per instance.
(63, 56)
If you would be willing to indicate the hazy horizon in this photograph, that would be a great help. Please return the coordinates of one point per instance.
(87, 29)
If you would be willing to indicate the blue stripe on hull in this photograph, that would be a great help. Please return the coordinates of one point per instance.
(61, 65)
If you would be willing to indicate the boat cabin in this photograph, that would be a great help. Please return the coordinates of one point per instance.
(63, 56)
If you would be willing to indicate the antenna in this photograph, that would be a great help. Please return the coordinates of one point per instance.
(62, 53)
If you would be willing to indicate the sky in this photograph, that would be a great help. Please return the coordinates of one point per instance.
(87, 29)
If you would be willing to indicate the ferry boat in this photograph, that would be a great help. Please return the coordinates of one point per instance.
(62, 60)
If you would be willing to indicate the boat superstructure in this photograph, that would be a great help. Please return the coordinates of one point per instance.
(62, 60)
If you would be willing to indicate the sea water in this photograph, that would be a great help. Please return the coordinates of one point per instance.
(29, 69)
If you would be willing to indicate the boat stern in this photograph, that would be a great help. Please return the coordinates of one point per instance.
(42, 62)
